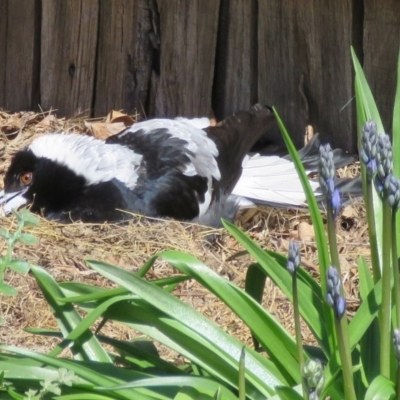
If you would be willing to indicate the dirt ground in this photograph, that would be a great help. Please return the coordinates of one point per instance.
(62, 249)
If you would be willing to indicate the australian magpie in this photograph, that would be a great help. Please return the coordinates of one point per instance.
(158, 168)
(179, 168)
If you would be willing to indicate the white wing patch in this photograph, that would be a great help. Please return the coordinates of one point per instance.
(199, 123)
(205, 151)
(90, 158)
(271, 179)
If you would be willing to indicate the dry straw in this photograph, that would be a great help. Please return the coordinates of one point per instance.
(62, 250)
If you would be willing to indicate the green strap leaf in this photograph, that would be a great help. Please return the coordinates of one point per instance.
(381, 388)
(367, 109)
(323, 253)
(225, 350)
(279, 345)
(87, 347)
(311, 306)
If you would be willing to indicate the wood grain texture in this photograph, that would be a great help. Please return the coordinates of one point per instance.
(125, 55)
(235, 82)
(21, 54)
(188, 36)
(381, 45)
(3, 43)
(187, 57)
(305, 66)
(68, 55)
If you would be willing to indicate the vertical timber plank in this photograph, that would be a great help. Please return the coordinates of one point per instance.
(19, 49)
(305, 66)
(3, 43)
(381, 47)
(188, 36)
(235, 83)
(280, 65)
(68, 55)
(125, 56)
(331, 72)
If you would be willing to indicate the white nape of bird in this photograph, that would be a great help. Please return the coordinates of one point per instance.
(182, 169)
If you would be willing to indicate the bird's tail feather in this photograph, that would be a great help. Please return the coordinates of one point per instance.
(273, 180)
(309, 155)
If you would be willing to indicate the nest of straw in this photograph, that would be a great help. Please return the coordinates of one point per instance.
(62, 250)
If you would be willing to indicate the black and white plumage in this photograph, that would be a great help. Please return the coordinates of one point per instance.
(179, 168)
(158, 168)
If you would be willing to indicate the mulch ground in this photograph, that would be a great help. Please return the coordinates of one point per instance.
(62, 249)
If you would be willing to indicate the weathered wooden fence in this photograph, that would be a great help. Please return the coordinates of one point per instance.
(195, 57)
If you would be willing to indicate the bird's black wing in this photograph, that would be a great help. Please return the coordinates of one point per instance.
(235, 136)
(175, 175)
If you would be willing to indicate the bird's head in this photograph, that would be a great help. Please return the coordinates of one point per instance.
(53, 173)
(17, 182)
(40, 182)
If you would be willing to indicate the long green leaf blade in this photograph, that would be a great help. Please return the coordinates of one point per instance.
(396, 137)
(368, 102)
(226, 350)
(275, 340)
(311, 307)
(84, 325)
(87, 372)
(381, 388)
(367, 109)
(202, 385)
(396, 124)
(88, 348)
(320, 237)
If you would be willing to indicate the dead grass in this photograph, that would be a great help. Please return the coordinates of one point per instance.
(62, 250)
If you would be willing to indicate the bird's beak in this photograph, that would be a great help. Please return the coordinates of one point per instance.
(12, 201)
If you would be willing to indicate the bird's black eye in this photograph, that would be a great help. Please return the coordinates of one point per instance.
(25, 178)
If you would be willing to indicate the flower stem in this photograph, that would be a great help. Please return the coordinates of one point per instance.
(396, 291)
(342, 327)
(350, 393)
(398, 383)
(373, 240)
(332, 238)
(384, 313)
(299, 340)
(396, 274)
